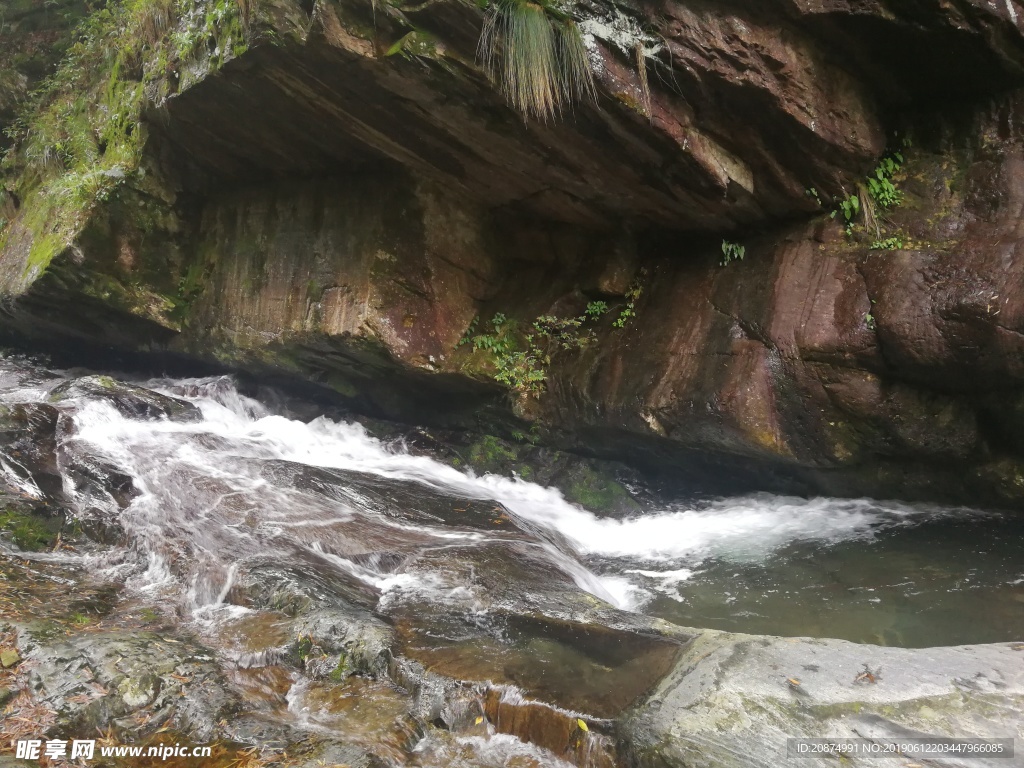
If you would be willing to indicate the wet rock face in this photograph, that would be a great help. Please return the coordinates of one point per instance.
(132, 402)
(28, 434)
(390, 264)
(353, 242)
(734, 700)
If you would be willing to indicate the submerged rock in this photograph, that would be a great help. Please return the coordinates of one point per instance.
(131, 401)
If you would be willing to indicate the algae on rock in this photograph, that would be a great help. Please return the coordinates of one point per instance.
(82, 136)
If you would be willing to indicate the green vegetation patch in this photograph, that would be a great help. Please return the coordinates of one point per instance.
(492, 454)
(731, 252)
(520, 357)
(596, 491)
(27, 529)
(82, 135)
(878, 193)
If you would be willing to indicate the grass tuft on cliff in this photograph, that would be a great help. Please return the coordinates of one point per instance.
(537, 57)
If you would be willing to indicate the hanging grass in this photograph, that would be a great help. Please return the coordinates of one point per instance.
(641, 68)
(577, 82)
(537, 58)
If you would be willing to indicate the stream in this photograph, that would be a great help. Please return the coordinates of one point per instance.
(250, 529)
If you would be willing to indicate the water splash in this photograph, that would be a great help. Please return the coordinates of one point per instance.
(206, 476)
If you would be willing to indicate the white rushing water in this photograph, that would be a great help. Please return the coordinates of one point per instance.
(252, 529)
(205, 500)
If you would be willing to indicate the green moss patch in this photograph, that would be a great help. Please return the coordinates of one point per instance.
(492, 454)
(82, 136)
(596, 491)
(28, 529)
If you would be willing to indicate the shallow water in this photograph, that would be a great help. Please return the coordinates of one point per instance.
(933, 580)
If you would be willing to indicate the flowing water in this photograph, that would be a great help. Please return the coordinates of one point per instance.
(243, 513)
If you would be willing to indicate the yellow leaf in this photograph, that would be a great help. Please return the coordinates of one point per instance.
(478, 721)
(581, 724)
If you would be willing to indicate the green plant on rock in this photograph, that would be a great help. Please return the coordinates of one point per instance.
(537, 56)
(304, 647)
(467, 337)
(849, 207)
(525, 372)
(521, 357)
(502, 346)
(221, 21)
(561, 332)
(519, 363)
(880, 184)
(869, 317)
(341, 669)
(878, 192)
(633, 293)
(732, 252)
(499, 341)
(893, 243)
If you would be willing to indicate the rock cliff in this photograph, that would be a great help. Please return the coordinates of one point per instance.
(335, 191)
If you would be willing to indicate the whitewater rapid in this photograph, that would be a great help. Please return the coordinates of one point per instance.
(639, 555)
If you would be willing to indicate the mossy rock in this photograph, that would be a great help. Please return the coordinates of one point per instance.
(29, 528)
(131, 401)
(582, 481)
(494, 455)
(596, 490)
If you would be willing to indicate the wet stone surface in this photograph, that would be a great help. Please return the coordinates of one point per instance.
(131, 401)
(302, 595)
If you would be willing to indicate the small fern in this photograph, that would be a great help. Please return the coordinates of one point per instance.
(537, 58)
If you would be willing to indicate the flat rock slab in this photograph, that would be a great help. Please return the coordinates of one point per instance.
(734, 700)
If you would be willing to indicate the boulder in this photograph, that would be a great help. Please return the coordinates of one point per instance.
(736, 700)
(131, 401)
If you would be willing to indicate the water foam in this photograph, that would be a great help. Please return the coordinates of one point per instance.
(660, 546)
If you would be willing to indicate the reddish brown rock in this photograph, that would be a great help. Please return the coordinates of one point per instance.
(320, 210)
